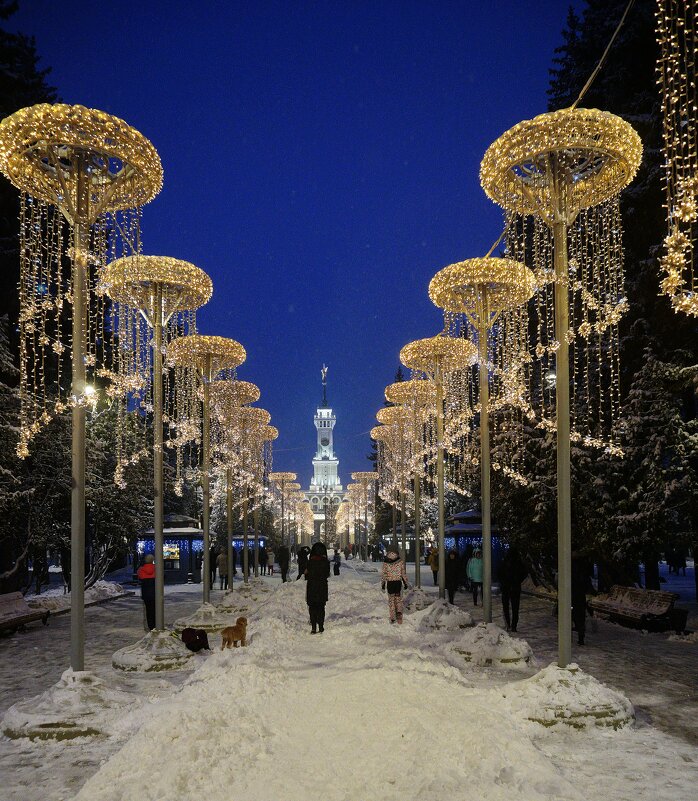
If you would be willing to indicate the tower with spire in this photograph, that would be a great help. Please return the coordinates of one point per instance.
(325, 492)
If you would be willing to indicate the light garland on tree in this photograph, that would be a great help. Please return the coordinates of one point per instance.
(676, 35)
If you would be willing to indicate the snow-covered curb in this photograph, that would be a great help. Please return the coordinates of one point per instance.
(58, 602)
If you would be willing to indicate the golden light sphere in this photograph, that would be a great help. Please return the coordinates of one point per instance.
(281, 476)
(132, 280)
(197, 350)
(461, 287)
(40, 146)
(227, 394)
(393, 416)
(269, 433)
(598, 152)
(413, 392)
(364, 476)
(449, 353)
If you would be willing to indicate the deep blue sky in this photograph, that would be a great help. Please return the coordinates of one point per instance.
(321, 164)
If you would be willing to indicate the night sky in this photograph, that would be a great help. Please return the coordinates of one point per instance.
(321, 164)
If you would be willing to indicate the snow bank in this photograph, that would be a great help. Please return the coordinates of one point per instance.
(415, 599)
(259, 731)
(56, 600)
(79, 705)
(687, 638)
(208, 617)
(488, 645)
(156, 652)
(571, 696)
(442, 616)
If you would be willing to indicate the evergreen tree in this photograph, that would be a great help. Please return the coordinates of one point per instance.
(22, 83)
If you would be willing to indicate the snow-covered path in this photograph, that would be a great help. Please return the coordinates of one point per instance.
(365, 710)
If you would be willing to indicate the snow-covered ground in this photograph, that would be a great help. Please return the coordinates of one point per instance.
(364, 710)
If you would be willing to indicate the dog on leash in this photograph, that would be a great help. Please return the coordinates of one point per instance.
(232, 635)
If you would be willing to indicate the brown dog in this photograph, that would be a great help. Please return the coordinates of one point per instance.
(232, 635)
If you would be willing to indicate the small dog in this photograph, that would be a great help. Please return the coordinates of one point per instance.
(232, 635)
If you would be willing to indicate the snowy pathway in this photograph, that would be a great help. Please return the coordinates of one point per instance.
(364, 710)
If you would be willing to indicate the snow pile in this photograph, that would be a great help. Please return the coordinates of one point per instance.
(687, 638)
(56, 600)
(289, 720)
(79, 705)
(157, 651)
(207, 617)
(442, 616)
(486, 644)
(415, 599)
(571, 696)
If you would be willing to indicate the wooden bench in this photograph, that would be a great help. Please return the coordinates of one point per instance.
(652, 610)
(15, 612)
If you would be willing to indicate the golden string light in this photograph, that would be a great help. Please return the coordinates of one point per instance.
(149, 292)
(84, 175)
(676, 35)
(559, 175)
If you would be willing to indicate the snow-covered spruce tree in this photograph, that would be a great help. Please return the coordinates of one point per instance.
(15, 489)
(115, 515)
(658, 504)
(627, 86)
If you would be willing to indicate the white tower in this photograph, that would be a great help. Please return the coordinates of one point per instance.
(325, 492)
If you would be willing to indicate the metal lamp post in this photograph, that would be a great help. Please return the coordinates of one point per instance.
(227, 397)
(416, 396)
(159, 287)
(553, 167)
(437, 357)
(207, 356)
(86, 164)
(280, 479)
(485, 291)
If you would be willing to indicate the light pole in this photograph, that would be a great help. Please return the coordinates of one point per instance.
(207, 356)
(489, 292)
(280, 479)
(160, 288)
(228, 397)
(87, 164)
(437, 357)
(417, 397)
(553, 167)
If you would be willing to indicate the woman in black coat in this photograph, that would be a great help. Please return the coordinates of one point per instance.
(452, 575)
(317, 572)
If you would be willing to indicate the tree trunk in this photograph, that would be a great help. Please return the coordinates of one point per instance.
(651, 561)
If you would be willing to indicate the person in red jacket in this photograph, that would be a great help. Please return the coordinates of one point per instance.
(146, 575)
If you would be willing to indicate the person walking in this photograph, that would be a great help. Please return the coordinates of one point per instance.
(212, 564)
(452, 574)
(474, 571)
(146, 576)
(581, 581)
(433, 562)
(284, 557)
(222, 562)
(302, 561)
(336, 561)
(512, 572)
(271, 558)
(316, 573)
(394, 578)
(263, 561)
